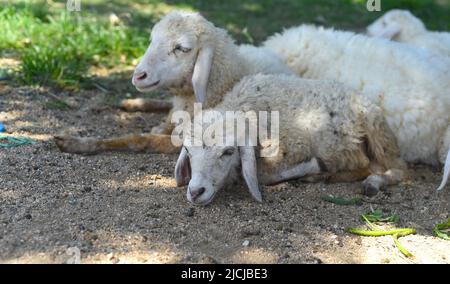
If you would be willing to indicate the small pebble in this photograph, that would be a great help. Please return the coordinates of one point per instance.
(87, 189)
(208, 260)
(250, 232)
(190, 212)
(110, 256)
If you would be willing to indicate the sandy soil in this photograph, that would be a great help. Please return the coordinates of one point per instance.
(125, 208)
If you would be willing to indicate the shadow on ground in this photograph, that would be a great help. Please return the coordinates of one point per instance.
(123, 207)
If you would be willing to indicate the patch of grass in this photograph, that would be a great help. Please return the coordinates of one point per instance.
(442, 230)
(341, 201)
(57, 50)
(380, 216)
(56, 104)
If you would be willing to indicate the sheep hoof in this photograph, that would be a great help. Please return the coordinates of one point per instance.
(372, 185)
(132, 105)
(369, 190)
(76, 145)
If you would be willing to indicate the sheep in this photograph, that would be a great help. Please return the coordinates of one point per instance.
(325, 129)
(257, 60)
(410, 84)
(403, 26)
(194, 61)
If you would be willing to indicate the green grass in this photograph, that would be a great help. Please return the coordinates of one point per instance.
(57, 50)
(60, 49)
(57, 104)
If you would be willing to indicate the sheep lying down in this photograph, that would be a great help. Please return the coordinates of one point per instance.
(409, 83)
(326, 131)
(191, 59)
(403, 26)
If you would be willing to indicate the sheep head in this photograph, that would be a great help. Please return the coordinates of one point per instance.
(394, 24)
(207, 170)
(180, 54)
(206, 167)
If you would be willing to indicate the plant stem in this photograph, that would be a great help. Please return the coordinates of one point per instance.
(400, 247)
(399, 232)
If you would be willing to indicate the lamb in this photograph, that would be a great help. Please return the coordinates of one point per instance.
(187, 56)
(403, 26)
(410, 84)
(325, 129)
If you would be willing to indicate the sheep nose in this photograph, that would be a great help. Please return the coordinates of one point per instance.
(140, 76)
(196, 192)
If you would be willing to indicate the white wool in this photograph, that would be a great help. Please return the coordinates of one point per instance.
(403, 26)
(410, 84)
(319, 120)
(196, 61)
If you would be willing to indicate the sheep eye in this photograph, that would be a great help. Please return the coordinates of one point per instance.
(178, 47)
(228, 152)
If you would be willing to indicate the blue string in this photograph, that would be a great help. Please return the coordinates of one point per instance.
(15, 141)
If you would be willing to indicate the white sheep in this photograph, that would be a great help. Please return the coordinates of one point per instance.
(188, 55)
(403, 26)
(410, 84)
(325, 129)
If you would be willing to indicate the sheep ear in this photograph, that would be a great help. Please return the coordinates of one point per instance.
(183, 169)
(202, 69)
(249, 171)
(390, 32)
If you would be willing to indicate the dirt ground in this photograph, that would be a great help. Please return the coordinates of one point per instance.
(125, 207)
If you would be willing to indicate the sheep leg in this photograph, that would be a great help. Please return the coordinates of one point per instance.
(165, 128)
(312, 172)
(346, 176)
(446, 172)
(134, 143)
(311, 167)
(146, 105)
(375, 182)
(444, 157)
